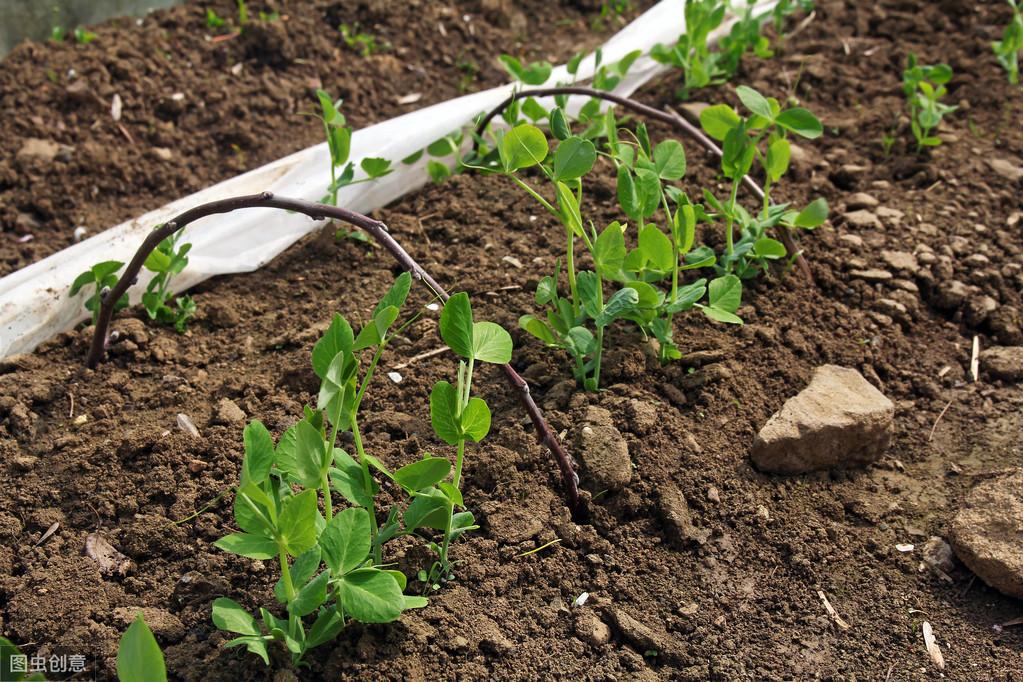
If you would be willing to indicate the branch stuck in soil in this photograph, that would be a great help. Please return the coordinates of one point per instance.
(378, 231)
(669, 117)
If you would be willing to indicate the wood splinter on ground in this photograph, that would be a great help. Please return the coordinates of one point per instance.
(832, 612)
(932, 646)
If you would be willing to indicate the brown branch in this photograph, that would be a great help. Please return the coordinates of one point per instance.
(670, 117)
(378, 231)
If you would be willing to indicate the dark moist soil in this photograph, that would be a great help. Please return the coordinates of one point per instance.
(734, 597)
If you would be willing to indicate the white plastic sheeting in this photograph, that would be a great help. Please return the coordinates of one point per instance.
(34, 304)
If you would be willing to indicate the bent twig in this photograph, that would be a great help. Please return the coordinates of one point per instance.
(378, 231)
(669, 117)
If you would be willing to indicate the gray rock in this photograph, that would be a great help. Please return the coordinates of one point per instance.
(900, 260)
(938, 553)
(678, 523)
(642, 416)
(603, 451)
(861, 200)
(951, 294)
(839, 420)
(871, 275)
(862, 219)
(228, 413)
(642, 636)
(1003, 362)
(40, 150)
(1007, 169)
(986, 533)
(592, 630)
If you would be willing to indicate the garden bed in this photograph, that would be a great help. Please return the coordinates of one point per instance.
(732, 595)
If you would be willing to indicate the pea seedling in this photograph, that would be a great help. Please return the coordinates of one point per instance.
(457, 417)
(139, 658)
(339, 144)
(691, 52)
(276, 507)
(924, 86)
(101, 276)
(761, 136)
(166, 260)
(1007, 49)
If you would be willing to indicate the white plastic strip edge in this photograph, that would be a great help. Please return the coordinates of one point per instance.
(34, 304)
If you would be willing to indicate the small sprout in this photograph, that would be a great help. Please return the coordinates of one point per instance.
(101, 276)
(924, 86)
(363, 43)
(166, 260)
(84, 36)
(139, 658)
(1008, 49)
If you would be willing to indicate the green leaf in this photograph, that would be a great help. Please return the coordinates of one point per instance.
(719, 315)
(801, 122)
(428, 509)
(456, 327)
(778, 154)
(426, 472)
(370, 595)
(444, 413)
(533, 109)
(339, 141)
(327, 626)
(348, 480)
(157, 261)
(755, 102)
(537, 328)
(476, 419)
(312, 460)
(546, 290)
(259, 454)
(346, 541)
(416, 602)
(255, 645)
(657, 248)
(82, 280)
(574, 158)
(765, 247)
(337, 390)
(609, 251)
(452, 493)
(725, 293)
(310, 597)
(559, 124)
(491, 343)
(522, 147)
(338, 337)
(139, 658)
(670, 160)
(813, 215)
(628, 196)
(437, 171)
(297, 523)
(717, 120)
(649, 297)
(248, 545)
(621, 302)
(376, 167)
(396, 295)
(445, 146)
(229, 615)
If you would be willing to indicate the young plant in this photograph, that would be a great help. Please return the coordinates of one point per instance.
(168, 259)
(691, 52)
(1007, 49)
(363, 43)
(139, 658)
(924, 86)
(14, 664)
(277, 499)
(101, 276)
(213, 20)
(762, 137)
(457, 417)
(339, 144)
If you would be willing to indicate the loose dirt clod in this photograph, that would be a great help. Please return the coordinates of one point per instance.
(985, 533)
(1003, 362)
(603, 451)
(839, 420)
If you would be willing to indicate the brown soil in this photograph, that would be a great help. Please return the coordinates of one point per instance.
(735, 597)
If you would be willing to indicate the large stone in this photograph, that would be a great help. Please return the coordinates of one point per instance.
(987, 533)
(1003, 362)
(603, 451)
(839, 420)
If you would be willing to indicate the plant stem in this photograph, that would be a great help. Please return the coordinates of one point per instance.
(729, 220)
(289, 587)
(328, 504)
(367, 480)
(600, 335)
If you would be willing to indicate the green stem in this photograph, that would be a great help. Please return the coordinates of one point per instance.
(600, 335)
(367, 480)
(767, 198)
(729, 220)
(289, 587)
(570, 269)
(328, 504)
